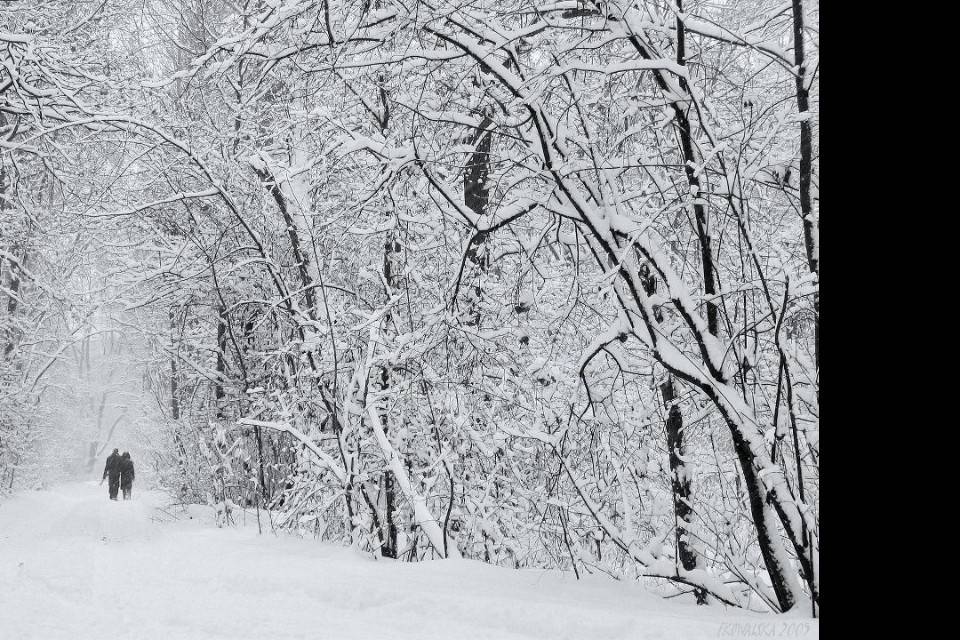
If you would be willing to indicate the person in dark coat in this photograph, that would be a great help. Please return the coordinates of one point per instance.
(112, 470)
(126, 475)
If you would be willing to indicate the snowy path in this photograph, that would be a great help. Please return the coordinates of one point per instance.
(75, 565)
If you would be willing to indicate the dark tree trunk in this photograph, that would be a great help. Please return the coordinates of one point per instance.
(690, 160)
(299, 255)
(218, 392)
(680, 481)
(174, 372)
(476, 195)
(810, 234)
(14, 278)
(175, 406)
(765, 531)
(388, 545)
(680, 478)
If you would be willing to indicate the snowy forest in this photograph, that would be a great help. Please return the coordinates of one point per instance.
(533, 283)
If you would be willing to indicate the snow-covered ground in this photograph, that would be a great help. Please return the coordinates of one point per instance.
(75, 565)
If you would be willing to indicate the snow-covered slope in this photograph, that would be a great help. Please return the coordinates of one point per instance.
(75, 565)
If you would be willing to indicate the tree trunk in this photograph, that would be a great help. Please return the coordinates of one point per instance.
(175, 407)
(388, 543)
(690, 160)
(679, 476)
(680, 481)
(218, 392)
(476, 195)
(811, 232)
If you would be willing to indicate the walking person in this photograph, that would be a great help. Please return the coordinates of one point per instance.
(112, 471)
(126, 475)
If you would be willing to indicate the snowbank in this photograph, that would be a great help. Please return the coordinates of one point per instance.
(75, 565)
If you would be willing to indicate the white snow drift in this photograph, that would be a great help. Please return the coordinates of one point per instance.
(75, 565)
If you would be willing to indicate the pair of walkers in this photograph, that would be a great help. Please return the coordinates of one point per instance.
(119, 472)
